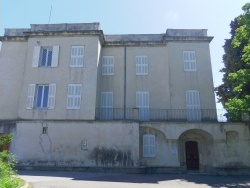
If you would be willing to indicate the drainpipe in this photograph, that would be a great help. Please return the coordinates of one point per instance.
(125, 80)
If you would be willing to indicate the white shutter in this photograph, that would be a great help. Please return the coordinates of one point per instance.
(141, 65)
(142, 102)
(106, 111)
(148, 145)
(36, 55)
(189, 59)
(31, 96)
(108, 65)
(145, 146)
(77, 55)
(142, 99)
(152, 146)
(193, 99)
(52, 96)
(193, 105)
(74, 96)
(55, 56)
(107, 99)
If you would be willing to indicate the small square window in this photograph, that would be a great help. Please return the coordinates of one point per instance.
(45, 130)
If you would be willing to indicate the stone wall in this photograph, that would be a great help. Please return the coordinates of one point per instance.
(120, 144)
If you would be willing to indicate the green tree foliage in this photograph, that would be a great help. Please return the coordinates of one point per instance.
(234, 93)
(8, 176)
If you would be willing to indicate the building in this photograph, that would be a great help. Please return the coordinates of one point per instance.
(73, 96)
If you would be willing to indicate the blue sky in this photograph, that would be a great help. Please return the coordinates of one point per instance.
(131, 17)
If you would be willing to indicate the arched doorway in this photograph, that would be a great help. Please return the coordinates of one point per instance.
(192, 155)
(196, 149)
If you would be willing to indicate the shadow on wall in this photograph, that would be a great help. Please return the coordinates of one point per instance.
(111, 157)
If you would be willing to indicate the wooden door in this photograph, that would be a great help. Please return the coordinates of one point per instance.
(192, 155)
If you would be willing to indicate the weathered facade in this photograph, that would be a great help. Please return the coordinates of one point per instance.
(74, 96)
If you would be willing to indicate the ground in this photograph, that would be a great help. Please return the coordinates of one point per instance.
(55, 179)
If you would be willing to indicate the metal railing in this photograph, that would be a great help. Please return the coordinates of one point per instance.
(181, 115)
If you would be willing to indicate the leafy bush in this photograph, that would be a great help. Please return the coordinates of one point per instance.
(8, 176)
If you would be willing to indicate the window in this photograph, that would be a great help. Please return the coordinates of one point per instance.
(189, 59)
(46, 56)
(41, 96)
(77, 55)
(106, 110)
(107, 65)
(142, 102)
(148, 145)
(193, 105)
(141, 65)
(74, 96)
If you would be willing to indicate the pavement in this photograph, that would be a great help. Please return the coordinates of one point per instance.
(55, 179)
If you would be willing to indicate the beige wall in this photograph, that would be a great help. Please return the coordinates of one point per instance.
(62, 76)
(12, 65)
(166, 82)
(114, 82)
(181, 81)
(219, 144)
(62, 145)
(156, 82)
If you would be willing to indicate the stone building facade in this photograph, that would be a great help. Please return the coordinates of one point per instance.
(74, 96)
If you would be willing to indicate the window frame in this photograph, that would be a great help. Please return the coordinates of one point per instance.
(32, 96)
(108, 65)
(42, 98)
(38, 56)
(49, 49)
(189, 60)
(76, 58)
(141, 63)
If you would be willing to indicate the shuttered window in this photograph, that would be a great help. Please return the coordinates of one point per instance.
(142, 102)
(74, 96)
(46, 56)
(52, 96)
(77, 56)
(106, 110)
(148, 145)
(41, 96)
(189, 59)
(141, 65)
(193, 105)
(30, 97)
(107, 65)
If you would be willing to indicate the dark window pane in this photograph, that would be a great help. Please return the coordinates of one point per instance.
(45, 96)
(49, 58)
(44, 57)
(39, 96)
